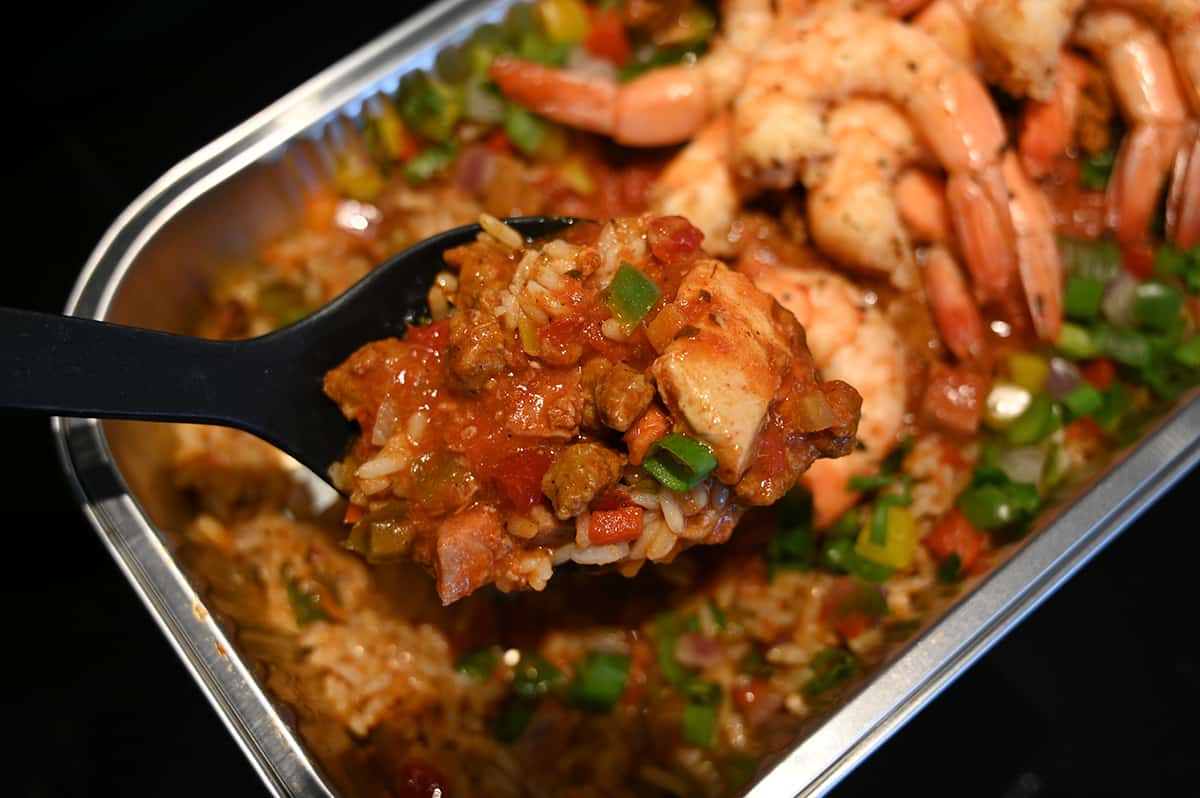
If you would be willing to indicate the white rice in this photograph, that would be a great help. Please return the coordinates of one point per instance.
(601, 555)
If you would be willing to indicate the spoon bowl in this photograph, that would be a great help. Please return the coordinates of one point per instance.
(269, 386)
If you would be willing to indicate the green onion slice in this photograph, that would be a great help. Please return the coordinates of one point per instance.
(479, 664)
(679, 462)
(632, 294)
(879, 516)
(513, 718)
(534, 676)
(599, 681)
(700, 724)
(1082, 298)
(1083, 400)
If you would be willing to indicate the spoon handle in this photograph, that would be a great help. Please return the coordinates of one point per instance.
(69, 366)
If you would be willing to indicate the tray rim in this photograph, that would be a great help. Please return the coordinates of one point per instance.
(813, 766)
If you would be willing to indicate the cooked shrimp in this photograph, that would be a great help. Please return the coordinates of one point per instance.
(779, 126)
(850, 340)
(1140, 69)
(1016, 42)
(1047, 126)
(698, 185)
(921, 202)
(667, 105)
(1037, 250)
(851, 211)
(1183, 200)
(1178, 21)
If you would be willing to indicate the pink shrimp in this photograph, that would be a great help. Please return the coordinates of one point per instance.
(1141, 71)
(667, 105)
(1047, 126)
(1183, 200)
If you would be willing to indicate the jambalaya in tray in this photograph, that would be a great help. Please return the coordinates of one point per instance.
(985, 218)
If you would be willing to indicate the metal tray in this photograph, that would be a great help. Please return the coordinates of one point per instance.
(244, 188)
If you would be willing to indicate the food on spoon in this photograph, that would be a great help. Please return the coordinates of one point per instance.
(608, 397)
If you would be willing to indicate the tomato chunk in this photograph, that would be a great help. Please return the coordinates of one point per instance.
(954, 534)
(1099, 373)
(520, 476)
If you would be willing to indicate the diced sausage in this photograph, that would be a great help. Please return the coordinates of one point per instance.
(578, 474)
(621, 396)
(476, 352)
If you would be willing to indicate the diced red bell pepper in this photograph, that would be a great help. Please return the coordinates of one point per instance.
(1138, 260)
(607, 39)
(954, 534)
(1099, 373)
(353, 515)
(615, 526)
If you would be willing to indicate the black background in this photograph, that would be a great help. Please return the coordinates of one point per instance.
(1095, 693)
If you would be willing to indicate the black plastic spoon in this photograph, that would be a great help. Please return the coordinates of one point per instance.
(270, 386)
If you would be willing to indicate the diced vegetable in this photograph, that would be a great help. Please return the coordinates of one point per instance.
(451, 65)
(832, 667)
(536, 46)
(479, 664)
(994, 502)
(650, 427)
(1185, 264)
(950, 570)
(525, 130)
(607, 39)
(1022, 463)
(954, 536)
(513, 718)
(700, 724)
(1096, 170)
(1117, 305)
(1084, 400)
(1064, 376)
(482, 102)
(1099, 373)
(534, 676)
(679, 462)
(563, 20)
(615, 526)
(1035, 423)
(486, 42)
(1081, 298)
(1095, 260)
(1188, 352)
(599, 681)
(876, 481)
(430, 162)
(792, 546)
(1125, 346)
(632, 294)
(575, 174)
(890, 539)
(754, 663)
(1029, 370)
(1157, 304)
(430, 107)
(1006, 402)
(838, 554)
(386, 136)
(1115, 409)
(1076, 342)
(668, 629)
(306, 605)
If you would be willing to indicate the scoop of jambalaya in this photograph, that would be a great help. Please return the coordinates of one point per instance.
(606, 397)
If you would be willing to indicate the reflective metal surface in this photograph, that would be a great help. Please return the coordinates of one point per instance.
(244, 188)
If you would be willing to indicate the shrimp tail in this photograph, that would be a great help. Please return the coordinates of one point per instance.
(983, 224)
(1141, 168)
(1183, 200)
(578, 101)
(954, 310)
(1038, 260)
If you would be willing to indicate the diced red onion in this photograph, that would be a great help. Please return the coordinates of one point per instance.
(474, 170)
(1117, 304)
(696, 650)
(1022, 463)
(1063, 377)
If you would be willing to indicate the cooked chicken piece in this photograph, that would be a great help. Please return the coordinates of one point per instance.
(721, 380)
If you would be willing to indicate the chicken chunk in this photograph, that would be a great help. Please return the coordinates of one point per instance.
(721, 380)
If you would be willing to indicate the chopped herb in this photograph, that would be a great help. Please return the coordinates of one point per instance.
(306, 606)
(599, 681)
(718, 615)
(1184, 264)
(523, 128)
(832, 667)
(1035, 423)
(513, 718)
(950, 569)
(1157, 304)
(669, 629)
(754, 663)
